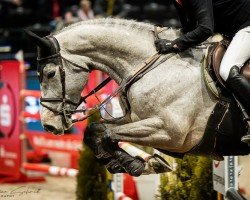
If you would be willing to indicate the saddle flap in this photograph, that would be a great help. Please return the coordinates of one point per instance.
(217, 54)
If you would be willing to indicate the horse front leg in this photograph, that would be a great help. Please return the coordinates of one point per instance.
(92, 138)
(115, 159)
(148, 132)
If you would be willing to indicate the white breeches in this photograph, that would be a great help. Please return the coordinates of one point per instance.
(237, 53)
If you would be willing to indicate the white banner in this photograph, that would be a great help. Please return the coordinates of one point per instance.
(219, 176)
(225, 174)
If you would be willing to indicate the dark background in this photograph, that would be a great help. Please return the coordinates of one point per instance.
(37, 15)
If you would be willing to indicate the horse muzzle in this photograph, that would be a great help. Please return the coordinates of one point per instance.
(57, 124)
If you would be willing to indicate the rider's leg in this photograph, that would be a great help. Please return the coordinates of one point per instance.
(240, 87)
(236, 55)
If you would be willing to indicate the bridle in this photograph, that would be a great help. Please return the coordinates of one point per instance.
(56, 58)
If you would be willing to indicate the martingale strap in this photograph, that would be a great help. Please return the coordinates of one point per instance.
(95, 90)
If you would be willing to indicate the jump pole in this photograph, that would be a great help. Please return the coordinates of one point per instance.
(134, 151)
(51, 170)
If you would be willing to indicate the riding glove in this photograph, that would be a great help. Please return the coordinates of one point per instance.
(164, 46)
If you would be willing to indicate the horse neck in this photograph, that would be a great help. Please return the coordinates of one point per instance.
(115, 50)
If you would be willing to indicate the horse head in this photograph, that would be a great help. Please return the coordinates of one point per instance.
(61, 83)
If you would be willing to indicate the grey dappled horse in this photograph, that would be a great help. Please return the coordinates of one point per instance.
(168, 107)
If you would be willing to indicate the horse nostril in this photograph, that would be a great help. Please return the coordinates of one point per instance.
(49, 128)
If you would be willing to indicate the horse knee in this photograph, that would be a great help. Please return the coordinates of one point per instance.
(109, 143)
(88, 138)
(92, 138)
(92, 132)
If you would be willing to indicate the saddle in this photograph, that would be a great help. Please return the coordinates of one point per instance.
(214, 58)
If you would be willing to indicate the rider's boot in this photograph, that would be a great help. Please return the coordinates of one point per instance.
(240, 87)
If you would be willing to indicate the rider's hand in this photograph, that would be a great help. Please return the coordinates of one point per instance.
(164, 46)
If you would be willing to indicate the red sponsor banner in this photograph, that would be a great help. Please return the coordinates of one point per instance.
(42, 141)
(10, 126)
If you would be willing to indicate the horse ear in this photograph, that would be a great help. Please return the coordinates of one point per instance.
(40, 42)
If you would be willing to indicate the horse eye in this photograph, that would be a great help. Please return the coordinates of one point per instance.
(51, 74)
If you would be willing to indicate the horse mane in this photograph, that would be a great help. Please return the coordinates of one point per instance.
(111, 22)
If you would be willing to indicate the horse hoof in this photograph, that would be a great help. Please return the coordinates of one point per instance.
(113, 166)
(136, 168)
(157, 165)
(116, 169)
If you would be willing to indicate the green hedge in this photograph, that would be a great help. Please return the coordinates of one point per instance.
(92, 178)
(191, 180)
